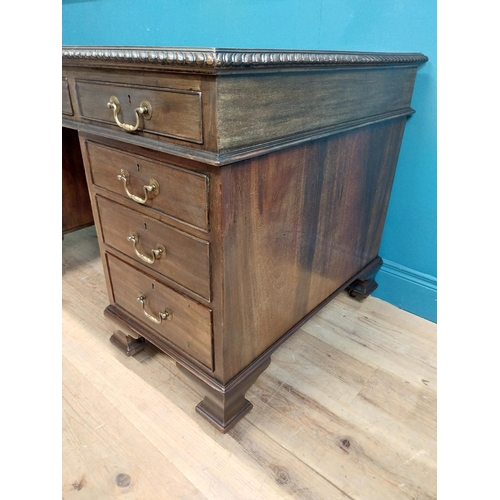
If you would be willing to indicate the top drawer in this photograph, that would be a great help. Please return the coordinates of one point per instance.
(174, 113)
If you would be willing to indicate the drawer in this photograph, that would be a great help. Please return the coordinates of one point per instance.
(67, 108)
(188, 325)
(179, 193)
(182, 257)
(175, 113)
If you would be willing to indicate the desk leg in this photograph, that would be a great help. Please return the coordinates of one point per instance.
(126, 343)
(224, 405)
(365, 284)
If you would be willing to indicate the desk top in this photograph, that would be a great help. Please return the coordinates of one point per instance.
(223, 59)
(225, 105)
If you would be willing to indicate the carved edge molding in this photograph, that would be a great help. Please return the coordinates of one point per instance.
(226, 58)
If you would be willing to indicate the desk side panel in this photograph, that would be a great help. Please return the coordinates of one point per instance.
(259, 108)
(76, 208)
(297, 225)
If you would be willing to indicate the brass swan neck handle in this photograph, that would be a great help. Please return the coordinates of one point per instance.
(145, 110)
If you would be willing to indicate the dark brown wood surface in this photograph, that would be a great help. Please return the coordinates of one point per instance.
(76, 208)
(249, 111)
(182, 194)
(297, 224)
(175, 113)
(255, 110)
(190, 324)
(67, 107)
(183, 114)
(223, 406)
(185, 259)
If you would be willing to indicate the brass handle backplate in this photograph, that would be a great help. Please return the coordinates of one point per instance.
(150, 190)
(161, 316)
(145, 110)
(156, 253)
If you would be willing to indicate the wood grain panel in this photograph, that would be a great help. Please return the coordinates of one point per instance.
(76, 207)
(297, 225)
(182, 194)
(260, 108)
(176, 113)
(67, 107)
(190, 326)
(186, 258)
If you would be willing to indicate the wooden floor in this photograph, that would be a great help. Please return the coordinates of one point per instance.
(346, 410)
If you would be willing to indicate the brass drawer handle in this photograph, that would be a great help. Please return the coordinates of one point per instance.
(155, 319)
(145, 110)
(150, 190)
(156, 253)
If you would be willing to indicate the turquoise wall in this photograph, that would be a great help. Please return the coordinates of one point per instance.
(408, 277)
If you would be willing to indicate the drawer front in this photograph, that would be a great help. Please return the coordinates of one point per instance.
(179, 193)
(67, 108)
(173, 253)
(188, 325)
(175, 113)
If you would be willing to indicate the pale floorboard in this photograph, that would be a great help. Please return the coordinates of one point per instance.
(346, 410)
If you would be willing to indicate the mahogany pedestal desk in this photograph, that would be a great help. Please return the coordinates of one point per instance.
(235, 192)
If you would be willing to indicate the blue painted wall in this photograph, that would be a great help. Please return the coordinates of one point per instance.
(408, 277)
